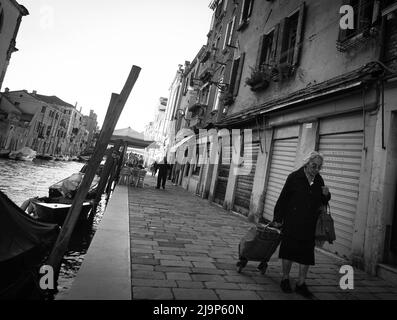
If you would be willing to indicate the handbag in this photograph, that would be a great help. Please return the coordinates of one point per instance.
(325, 230)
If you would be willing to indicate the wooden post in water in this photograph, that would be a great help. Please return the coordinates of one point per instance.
(121, 162)
(107, 168)
(117, 103)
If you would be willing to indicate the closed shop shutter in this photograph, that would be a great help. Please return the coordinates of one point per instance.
(341, 173)
(223, 176)
(244, 183)
(282, 164)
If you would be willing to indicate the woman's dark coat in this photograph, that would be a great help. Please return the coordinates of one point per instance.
(298, 206)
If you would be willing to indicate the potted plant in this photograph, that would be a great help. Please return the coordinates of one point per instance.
(227, 98)
(281, 72)
(259, 79)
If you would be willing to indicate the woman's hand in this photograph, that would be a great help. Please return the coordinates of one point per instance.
(275, 224)
(325, 190)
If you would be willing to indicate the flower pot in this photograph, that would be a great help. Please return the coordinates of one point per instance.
(260, 85)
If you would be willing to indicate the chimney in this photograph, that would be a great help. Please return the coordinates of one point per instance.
(34, 91)
(7, 90)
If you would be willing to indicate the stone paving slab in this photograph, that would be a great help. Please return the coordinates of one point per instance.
(185, 248)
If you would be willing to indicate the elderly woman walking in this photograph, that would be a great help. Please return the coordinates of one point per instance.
(297, 210)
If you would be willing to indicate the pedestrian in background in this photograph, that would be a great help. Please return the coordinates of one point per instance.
(163, 170)
(296, 212)
(154, 168)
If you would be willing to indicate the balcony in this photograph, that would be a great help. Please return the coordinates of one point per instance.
(358, 39)
(206, 70)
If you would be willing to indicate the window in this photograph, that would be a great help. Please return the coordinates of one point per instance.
(229, 34)
(187, 169)
(267, 46)
(196, 170)
(235, 75)
(289, 42)
(43, 109)
(48, 130)
(218, 40)
(225, 5)
(246, 11)
(217, 97)
(363, 18)
(283, 44)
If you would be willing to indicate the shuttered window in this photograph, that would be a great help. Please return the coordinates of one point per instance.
(282, 164)
(223, 174)
(245, 182)
(341, 173)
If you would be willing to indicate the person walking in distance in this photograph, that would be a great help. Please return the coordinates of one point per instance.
(296, 212)
(163, 170)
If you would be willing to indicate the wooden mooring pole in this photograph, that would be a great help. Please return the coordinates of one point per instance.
(117, 103)
(104, 179)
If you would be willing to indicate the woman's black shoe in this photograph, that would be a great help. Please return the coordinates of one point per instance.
(304, 291)
(285, 286)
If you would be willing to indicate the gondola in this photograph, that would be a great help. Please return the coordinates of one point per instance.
(55, 210)
(24, 245)
(55, 207)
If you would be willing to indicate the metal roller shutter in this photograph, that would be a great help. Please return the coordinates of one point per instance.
(244, 183)
(282, 164)
(341, 173)
(223, 176)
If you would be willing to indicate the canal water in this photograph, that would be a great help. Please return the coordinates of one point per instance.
(21, 180)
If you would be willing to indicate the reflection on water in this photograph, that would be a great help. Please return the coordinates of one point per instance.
(21, 180)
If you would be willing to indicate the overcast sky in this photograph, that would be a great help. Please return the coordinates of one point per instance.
(83, 50)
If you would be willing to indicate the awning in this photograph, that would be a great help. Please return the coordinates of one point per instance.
(133, 138)
(178, 144)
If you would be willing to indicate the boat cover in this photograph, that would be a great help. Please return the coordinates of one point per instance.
(19, 232)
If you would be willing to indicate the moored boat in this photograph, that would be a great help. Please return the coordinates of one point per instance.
(55, 210)
(24, 154)
(68, 187)
(44, 157)
(24, 243)
(4, 153)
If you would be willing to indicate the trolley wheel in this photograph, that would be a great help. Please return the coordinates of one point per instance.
(241, 264)
(262, 267)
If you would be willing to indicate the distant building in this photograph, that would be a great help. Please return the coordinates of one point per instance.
(155, 131)
(47, 124)
(90, 123)
(11, 14)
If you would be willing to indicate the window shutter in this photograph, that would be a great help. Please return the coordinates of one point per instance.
(280, 41)
(227, 35)
(233, 75)
(262, 42)
(299, 34)
(239, 74)
(242, 18)
(250, 8)
(273, 54)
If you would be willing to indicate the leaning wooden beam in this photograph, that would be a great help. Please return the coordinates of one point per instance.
(107, 168)
(117, 103)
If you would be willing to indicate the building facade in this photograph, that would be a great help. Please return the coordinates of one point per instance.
(47, 124)
(289, 73)
(155, 131)
(11, 14)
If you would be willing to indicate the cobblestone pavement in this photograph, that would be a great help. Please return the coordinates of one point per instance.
(185, 248)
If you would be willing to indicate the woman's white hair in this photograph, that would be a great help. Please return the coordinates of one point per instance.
(312, 155)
